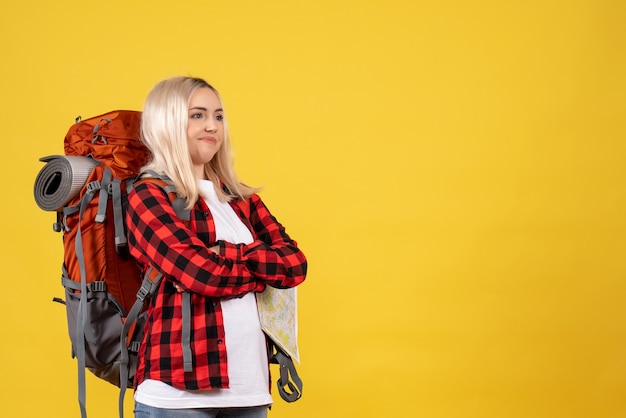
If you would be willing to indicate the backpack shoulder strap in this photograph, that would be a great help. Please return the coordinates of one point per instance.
(179, 204)
(151, 281)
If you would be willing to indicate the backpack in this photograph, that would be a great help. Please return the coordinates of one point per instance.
(88, 188)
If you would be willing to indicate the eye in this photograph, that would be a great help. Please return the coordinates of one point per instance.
(219, 118)
(197, 115)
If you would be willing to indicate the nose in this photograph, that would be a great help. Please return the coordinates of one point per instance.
(211, 125)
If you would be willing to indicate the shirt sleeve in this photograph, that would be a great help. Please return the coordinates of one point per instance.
(273, 258)
(157, 237)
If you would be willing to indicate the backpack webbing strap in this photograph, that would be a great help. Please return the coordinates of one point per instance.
(104, 195)
(148, 286)
(97, 137)
(82, 319)
(185, 215)
(118, 215)
(62, 220)
(186, 337)
(179, 204)
(130, 183)
(287, 371)
(68, 283)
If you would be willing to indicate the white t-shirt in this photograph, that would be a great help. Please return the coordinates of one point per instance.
(245, 343)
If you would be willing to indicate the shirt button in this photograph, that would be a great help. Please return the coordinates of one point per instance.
(219, 341)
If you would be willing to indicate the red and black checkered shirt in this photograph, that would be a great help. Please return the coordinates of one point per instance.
(157, 237)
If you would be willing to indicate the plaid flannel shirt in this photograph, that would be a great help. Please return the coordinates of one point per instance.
(157, 237)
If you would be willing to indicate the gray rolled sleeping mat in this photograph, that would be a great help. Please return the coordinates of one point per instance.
(61, 179)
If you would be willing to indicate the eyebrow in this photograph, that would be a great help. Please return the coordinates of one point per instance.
(205, 109)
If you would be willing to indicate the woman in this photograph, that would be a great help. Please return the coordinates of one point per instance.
(218, 259)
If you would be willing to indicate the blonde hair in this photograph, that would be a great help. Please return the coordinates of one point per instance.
(164, 131)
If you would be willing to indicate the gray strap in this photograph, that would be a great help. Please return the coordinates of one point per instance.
(130, 183)
(178, 204)
(96, 137)
(118, 215)
(148, 287)
(62, 219)
(67, 282)
(99, 286)
(288, 374)
(82, 330)
(104, 195)
(70, 210)
(153, 173)
(184, 214)
(187, 360)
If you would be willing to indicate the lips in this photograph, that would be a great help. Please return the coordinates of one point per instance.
(209, 139)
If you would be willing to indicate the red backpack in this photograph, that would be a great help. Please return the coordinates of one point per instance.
(88, 188)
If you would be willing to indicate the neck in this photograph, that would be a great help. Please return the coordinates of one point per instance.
(200, 173)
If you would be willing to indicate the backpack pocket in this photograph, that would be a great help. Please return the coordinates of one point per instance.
(102, 327)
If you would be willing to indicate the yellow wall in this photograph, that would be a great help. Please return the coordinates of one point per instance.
(453, 170)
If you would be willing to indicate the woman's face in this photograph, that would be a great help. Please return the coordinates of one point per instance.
(205, 128)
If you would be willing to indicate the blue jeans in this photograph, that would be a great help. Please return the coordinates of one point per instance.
(145, 411)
